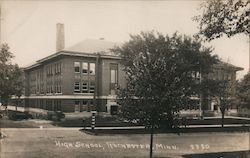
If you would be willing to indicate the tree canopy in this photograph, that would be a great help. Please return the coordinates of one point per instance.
(162, 76)
(11, 82)
(220, 17)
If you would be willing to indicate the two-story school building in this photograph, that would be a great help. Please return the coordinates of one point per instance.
(74, 81)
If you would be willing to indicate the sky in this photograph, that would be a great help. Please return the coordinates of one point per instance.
(29, 26)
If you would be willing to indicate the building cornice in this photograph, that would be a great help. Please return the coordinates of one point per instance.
(224, 65)
(72, 53)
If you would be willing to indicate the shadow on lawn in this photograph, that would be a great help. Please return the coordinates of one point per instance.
(235, 154)
(100, 121)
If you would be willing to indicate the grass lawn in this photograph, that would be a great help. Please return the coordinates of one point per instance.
(114, 121)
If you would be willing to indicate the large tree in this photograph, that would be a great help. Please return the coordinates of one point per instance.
(227, 17)
(161, 78)
(10, 76)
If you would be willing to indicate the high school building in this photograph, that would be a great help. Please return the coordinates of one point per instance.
(85, 77)
(72, 81)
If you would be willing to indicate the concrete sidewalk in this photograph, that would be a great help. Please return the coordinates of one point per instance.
(233, 117)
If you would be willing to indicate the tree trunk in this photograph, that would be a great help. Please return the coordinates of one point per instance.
(18, 102)
(222, 119)
(151, 141)
(16, 105)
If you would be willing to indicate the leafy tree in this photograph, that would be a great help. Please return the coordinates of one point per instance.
(224, 95)
(243, 91)
(220, 17)
(160, 77)
(10, 76)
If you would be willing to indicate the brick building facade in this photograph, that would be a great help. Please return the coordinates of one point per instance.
(73, 82)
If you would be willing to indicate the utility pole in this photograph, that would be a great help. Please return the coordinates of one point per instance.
(200, 107)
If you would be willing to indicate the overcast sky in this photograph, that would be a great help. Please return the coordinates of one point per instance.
(29, 27)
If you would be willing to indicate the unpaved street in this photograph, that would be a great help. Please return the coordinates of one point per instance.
(70, 142)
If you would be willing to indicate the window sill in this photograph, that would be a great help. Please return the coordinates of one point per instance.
(84, 93)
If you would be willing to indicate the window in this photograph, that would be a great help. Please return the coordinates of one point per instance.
(51, 88)
(85, 68)
(77, 67)
(92, 87)
(47, 71)
(47, 88)
(55, 87)
(59, 89)
(84, 102)
(51, 70)
(42, 90)
(56, 70)
(92, 68)
(77, 106)
(113, 73)
(84, 105)
(57, 105)
(113, 77)
(48, 105)
(41, 104)
(77, 87)
(84, 87)
(59, 68)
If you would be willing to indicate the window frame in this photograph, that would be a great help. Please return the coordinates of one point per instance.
(93, 71)
(77, 64)
(85, 64)
(79, 89)
(83, 86)
(91, 85)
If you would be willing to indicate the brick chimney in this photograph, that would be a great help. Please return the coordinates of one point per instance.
(59, 37)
